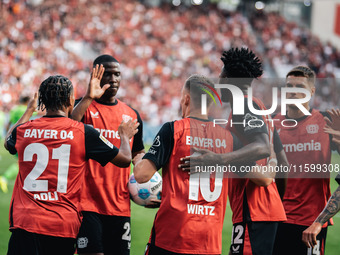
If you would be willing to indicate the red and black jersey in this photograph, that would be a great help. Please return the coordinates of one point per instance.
(190, 218)
(105, 190)
(47, 189)
(306, 146)
(247, 200)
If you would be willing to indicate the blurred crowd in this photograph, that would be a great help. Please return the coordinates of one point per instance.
(286, 45)
(158, 47)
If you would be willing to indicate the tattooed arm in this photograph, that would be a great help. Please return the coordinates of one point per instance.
(332, 207)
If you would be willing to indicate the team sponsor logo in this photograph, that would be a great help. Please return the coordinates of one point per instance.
(311, 146)
(106, 141)
(126, 118)
(94, 115)
(156, 142)
(312, 129)
(82, 242)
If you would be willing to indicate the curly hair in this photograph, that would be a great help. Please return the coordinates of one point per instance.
(241, 63)
(55, 93)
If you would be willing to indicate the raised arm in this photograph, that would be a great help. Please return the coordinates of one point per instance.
(31, 108)
(94, 91)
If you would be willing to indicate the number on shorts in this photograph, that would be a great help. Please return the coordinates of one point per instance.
(238, 230)
(316, 249)
(127, 235)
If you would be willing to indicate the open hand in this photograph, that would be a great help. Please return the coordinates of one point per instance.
(95, 91)
(129, 128)
(199, 158)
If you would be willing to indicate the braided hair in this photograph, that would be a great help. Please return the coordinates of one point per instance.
(241, 63)
(55, 93)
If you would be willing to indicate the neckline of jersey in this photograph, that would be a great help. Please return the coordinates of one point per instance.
(301, 118)
(114, 103)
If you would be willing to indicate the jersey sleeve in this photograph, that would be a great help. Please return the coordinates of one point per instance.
(278, 147)
(249, 123)
(97, 147)
(138, 138)
(11, 141)
(161, 149)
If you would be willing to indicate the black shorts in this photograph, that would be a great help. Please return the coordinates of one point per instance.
(27, 243)
(104, 234)
(255, 238)
(154, 250)
(289, 240)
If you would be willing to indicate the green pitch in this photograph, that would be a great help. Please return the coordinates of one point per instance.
(142, 219)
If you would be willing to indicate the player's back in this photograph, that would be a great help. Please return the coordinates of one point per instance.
(51, 152)
(263, 203)
(190, 218)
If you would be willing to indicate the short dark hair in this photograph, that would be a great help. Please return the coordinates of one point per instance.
(24, 99)
(194, 84)
(55, 93)
(241, 63)
(104, 59)
(303, 71)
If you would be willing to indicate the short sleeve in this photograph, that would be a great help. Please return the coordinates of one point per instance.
(97, 147)
(161, 149)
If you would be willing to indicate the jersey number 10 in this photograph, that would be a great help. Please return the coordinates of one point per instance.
(201, 181)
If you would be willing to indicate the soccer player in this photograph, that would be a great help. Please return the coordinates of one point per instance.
(52, 152)
(255, 202)
(190, 217)
(105, 201)
(306, 146)
(14, 115)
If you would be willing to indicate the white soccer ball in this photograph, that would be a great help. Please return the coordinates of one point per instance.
(142, 193)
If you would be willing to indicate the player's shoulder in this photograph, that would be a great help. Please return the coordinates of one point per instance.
(127, 106)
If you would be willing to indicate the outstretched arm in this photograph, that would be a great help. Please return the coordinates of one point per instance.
(94, 91)
(126, 131)
(31, 108)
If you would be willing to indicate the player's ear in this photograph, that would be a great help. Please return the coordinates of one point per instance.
(187, 99)
(312, 92)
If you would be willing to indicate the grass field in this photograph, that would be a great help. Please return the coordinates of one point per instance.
(142, 219)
